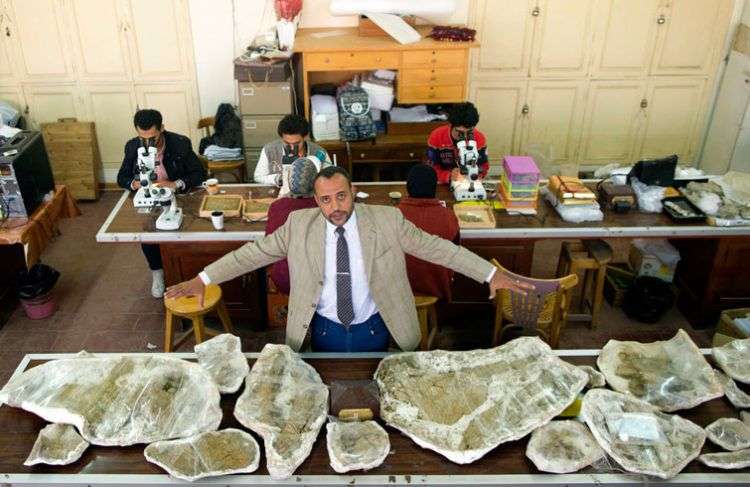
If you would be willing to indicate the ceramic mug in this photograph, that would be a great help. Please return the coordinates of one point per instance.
(217, 219)
(211, 185)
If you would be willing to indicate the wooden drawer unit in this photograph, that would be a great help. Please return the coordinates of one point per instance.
(346, 60)
(431, 94)
(74, 156)
(448, 58)
(435, 77)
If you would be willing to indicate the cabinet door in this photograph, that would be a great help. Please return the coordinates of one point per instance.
(562, 38)
(499, 104)
(47, 103)
(14, 96)
(7, 31)
(160, 39)
(176, 104)
(624, 38)
(112, 108)
(690, 36)
(505, 36)
(610, 125)
(552, 126)
(675, 108)
(99, 40)
(41, 40)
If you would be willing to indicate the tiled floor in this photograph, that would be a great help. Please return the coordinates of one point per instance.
(105, 305)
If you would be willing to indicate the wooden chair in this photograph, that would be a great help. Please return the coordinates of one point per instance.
(427, 315)
(188, 307)
(591, 257)
(542, 312)
(225, 165)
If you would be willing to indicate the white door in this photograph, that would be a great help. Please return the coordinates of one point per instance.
(159, 33)
(562, 38)
(505, 35)
(499, 104)
(41, 40)
(48, 103)
(176, 104)
(552, 124)
(690, 36)
(112, 107)
(100, 44)
(675, 108)
(611, 122)
(624, 37)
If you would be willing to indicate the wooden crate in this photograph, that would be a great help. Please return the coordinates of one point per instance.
(74, 156)
(230, 204)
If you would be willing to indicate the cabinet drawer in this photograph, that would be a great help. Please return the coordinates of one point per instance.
(265, 98)
(452, 58)
(351, 60)
(448, 76)
(431, 94)
(259, 130)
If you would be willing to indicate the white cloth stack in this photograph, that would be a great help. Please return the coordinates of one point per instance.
(218, 153)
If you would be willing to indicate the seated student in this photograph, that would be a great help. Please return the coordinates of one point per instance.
(428, 214)
(177, 167)
(300, 196)
(292, 130)
(442, 151)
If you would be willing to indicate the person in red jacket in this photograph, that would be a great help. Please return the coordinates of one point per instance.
(300, 196)
(428, 214)
(442, 152)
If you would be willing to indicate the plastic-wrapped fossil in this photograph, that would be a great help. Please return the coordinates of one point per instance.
(729, 433)
(671, 374)
(357, 445)
(739, 398)
(464, 404)
(222, 357)
(727, 460)
(596, 378)
(638, 436)
(563, 447)
(734, 359)
(120, 401)
(286, 403)
(57, 444)
(209, 454)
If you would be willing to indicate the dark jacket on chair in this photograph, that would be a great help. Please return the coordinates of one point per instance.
(179, 160)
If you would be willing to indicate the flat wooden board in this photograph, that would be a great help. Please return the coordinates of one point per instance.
(256, 209)
(230, 204)
(474, 216)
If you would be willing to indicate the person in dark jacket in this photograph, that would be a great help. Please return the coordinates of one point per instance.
(177, 168)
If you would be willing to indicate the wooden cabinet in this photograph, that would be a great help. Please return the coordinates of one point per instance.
(505, 35)
(47, 103)
(176, 103)
(500, 105)
(112, 106)
(7, 60)
(439, 58)
(562, 38)
(352, 60)
(74, 157)
(431, 93)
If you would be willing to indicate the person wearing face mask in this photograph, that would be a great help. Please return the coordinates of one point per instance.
(292, 144)
(177, 167)
(349, 288)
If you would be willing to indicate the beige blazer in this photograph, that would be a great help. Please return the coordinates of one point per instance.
(386, 237)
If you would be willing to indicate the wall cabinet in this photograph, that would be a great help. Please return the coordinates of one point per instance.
(500, 107)
(562, 38)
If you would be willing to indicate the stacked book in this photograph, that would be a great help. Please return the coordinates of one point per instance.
(570, 191)
(519, 185)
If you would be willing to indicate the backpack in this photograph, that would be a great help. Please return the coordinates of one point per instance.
(355, 119)
(227, 129)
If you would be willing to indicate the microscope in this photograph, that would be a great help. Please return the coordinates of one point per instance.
(468, 187)
(146, 166)
(171, 215)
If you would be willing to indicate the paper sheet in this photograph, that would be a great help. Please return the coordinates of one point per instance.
(395, 26)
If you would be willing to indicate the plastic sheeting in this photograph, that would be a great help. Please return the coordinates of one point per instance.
(729, 433)
(563, 447)
(57, 444)
(222, 357)
(734, 359)
(357, 445)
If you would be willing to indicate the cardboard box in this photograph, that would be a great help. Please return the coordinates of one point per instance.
(617, 281)
(647, 264)
(258, 130)
(260, 71)
(727, 329)
(265, 98)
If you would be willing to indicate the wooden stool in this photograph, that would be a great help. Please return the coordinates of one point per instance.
(188, 307)
(427, 320)
(591, 257)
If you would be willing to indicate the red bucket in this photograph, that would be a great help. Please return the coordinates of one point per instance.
(40, 307)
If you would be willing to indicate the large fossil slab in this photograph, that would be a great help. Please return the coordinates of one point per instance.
(638, 436)
(464, 404)
(671, 374)
(120, 400)
(208, 454)
(356, 445)
(734, 359)
(729, 433)
(739, 398)
(727, 460)
(222, 357)
(57, 444)
(286, 403)
(563, 447)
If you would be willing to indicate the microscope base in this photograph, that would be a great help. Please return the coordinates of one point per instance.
(169, 220)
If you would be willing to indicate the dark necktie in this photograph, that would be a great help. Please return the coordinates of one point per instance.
(344, 305)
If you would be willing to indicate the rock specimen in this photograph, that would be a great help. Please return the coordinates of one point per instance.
(739, 398)
(464, 404)
(57, 444)
(222, 357)
(729, 433)
(286, 403)
(638, 436)
(563, 447)
(727, 460)
(206, 455)
(596, 378)
(734, 359)
(745, 417)
(118, 401)
(356, 445)
(671, 374)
